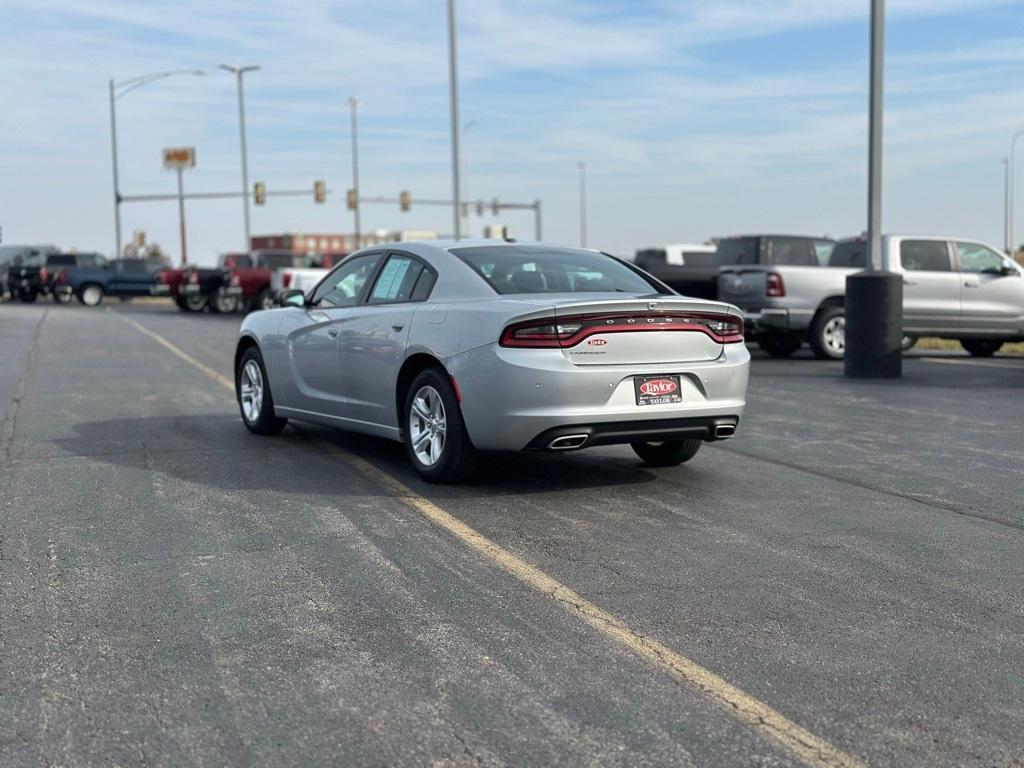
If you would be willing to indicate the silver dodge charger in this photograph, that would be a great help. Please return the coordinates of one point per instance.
(459, 347)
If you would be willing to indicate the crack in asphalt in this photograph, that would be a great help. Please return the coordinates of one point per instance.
(11, 417)
(962, 511)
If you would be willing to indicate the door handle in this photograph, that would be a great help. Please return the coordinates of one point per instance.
(333, 331)
(971, 284)
(397, 326)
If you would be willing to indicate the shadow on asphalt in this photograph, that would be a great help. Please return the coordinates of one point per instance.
(215, 450)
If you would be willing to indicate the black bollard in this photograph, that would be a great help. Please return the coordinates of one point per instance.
(874, 326)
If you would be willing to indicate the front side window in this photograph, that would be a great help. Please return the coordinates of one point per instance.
(737, 250)
(980, 259)
(343, 287)
(512, 269)
(851, 253)
(399, 279)
(924, 256)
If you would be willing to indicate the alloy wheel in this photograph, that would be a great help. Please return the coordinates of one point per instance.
(834, 335)
(252, 391)
(427, 426)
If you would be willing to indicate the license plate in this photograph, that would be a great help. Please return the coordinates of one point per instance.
(657, 390)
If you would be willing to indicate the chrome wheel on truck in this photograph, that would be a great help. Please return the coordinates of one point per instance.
(828, 334)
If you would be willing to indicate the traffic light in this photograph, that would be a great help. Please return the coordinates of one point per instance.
(351, 200)
(259, 193)
(319, 191)
(404, 200)
(495, 206)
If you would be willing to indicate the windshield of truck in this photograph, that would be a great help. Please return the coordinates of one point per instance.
(60, 260)
(737, 250)
(849, 254)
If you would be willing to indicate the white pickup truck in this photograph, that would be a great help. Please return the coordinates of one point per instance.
(305, 278)
(952, 288)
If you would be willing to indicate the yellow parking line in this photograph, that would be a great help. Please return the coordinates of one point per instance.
(809, 748)
(980, 363)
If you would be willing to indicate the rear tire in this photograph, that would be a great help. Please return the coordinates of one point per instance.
(194, 302)
(28, 295)
(779, 344)
(828, 334)
(435, 434)
(62, 297)
(667, 454)
(91, 295)
(224, 305)
(981, 347)
(252, 390)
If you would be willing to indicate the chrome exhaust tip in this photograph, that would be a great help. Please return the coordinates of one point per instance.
(568, 442)
(723, 431)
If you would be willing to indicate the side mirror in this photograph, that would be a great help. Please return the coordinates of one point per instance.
(292, 298)
(1008, 270)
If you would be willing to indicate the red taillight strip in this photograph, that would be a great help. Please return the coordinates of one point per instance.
(643, 323)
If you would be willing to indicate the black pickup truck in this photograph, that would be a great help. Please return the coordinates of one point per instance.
(34, 273)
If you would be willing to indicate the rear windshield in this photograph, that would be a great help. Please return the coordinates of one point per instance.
(852, 254)
(790, 252)
(737, 250)
(60, 260)
(511, 269)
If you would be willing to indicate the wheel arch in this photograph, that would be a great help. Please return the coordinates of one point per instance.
(411, 368)
(245, 343)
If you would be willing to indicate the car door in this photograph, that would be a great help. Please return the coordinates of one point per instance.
(931, 288)
(374, 338)
(311, 334)
(993, 291)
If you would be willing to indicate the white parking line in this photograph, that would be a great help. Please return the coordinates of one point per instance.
(807, 747)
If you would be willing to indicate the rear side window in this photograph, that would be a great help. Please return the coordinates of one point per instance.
(737, 250)
(399, 280)
(60, 260)
(925, 256)
(852, 254)
(651, 257)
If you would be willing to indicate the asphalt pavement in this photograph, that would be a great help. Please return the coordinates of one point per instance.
(175, 591)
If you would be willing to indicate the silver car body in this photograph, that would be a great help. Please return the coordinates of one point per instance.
(346, 367)
(952, 302)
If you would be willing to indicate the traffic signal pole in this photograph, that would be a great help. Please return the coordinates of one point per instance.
(874, 297)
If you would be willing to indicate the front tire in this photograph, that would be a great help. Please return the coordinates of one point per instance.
(670, 453)
(28, 295)
(91, 295)
(436, 440)
(252, 390)
(224, 305)
(828, 334)
(779, 344)
(981, 347)
(62, 296)
(194, 302)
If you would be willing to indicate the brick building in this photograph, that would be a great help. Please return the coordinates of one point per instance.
(333, 243)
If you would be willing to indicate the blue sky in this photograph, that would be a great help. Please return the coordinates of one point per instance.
(696, 119)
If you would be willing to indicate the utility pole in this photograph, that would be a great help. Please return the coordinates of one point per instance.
(873, 325)
(453, 98)
(465, 169)
(238, 72)
(1007, 244)
(1011, 183)
(353, 105)
(583, 203)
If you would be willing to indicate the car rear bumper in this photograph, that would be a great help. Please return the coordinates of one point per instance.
(513, 399)
(769, 319)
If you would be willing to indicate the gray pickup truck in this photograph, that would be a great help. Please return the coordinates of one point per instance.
(952, 288)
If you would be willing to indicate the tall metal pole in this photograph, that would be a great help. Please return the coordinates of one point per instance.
(870, 334)
(536, 221)
(1011, 183)
(583, 203)
(238, 72)
(874, 262)
(1006, 207)
(181, 217)
(353, 104)
(113, 161)
(464, 209)
(453, 98)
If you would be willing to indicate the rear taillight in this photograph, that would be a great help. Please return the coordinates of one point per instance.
(193, 278)
(570, 331)
(44, 274)
(62, 277)
(774, 287)
(234, 281)
(286, 279)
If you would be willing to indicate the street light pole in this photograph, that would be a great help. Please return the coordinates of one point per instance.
(353, 104)
(116, 91)
(465, 169)
(872, 329)
(583, 203)
(1010, 184)
(453, 98)
(181, 216)
(1006, 207)
(238, 72)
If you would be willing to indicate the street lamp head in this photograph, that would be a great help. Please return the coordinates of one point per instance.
(239, 70)
(352, 101)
